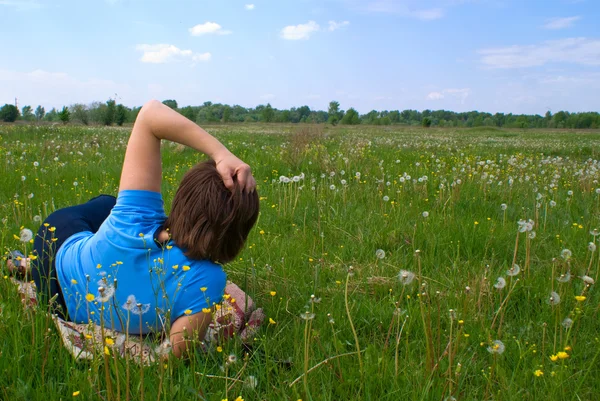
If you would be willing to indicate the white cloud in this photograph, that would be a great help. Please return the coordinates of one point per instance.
(571, 50)
(560, 23)
(333, 25)
(427, 15)
(249, 7)
(301, 31)
(461, 94)
(208, 28)
(435, 96)
(267, 96)
(164, 53)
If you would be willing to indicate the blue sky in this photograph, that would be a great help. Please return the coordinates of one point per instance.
(519, 56)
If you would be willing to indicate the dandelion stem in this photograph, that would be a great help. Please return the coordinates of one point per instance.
(325, 361)
(353, 330)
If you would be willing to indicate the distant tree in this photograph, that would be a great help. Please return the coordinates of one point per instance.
(120, 115)
(80, 113)
(188, 112)
(394, 116)
(351, 117)
(64, 115)
(426, 122)
(267, 114)
(9, 113)
(52, 115)
(27, 113)
(226, 114)
(171, 103)
(334, 112)
(109, 112)
(40, 112)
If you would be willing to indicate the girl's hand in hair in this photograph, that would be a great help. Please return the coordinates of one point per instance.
(231, 168)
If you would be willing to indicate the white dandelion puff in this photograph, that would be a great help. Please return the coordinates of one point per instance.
(380, 254)
(497, 347)
(37, 219)
(500, 283)
(25, 235)
(332, 187)
(504, 206)
(567, 323)
(513, 271)
(592, 247)
(406, 277)
(552, 203)
(425, 214)
(554, 298)
(570, 193)
(595, 232)
(386, 198)
(564, 278)
(566, 254)
(532, 235)
(588, 280)
(135, 307)
(307, 315)
(251, 382)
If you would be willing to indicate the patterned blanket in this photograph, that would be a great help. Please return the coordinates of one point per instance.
(237, 316)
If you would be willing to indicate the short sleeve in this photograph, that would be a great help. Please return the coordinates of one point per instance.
(203, 286)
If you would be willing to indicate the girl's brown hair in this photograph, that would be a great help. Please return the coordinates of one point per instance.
(207, 220)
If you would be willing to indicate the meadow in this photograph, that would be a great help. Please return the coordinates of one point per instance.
(392, 264)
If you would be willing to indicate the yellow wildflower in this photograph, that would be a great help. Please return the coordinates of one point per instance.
(109, 341)
(562, 355)
(76, 393)
(271, 321)
(90, 297)
(580, 298)
(73, 281)
(185, 268)
(106, 350)
(203, 289)
(261, 232)
(273, 293)
(188, 312)
(52, 229)
(538, 373)
(175, 267)
(219, 349)
(206, 310)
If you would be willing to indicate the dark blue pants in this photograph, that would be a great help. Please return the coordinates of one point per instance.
(66, 222)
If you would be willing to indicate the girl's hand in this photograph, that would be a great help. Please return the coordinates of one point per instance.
(230, 167)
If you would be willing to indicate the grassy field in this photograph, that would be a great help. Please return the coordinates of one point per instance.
(393, 267)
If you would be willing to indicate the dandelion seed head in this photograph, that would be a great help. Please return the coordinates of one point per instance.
(25, 235)
(588, 280)
(425, 214)
(380, 254)
(504, 206)
(406, 277)
(592, 247)
(564, 278)
(566, 254)
(497, 347)
(513, 271)
(500, 283)
(567, 323)
(554, 298)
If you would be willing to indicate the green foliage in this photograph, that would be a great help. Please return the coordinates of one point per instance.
(9, 113)
(80, 113)
(110, 111)
(121, 115)
(40, 112)
(226, 114)
(426, 123)
(27, 113)
(267, 114)
(334, 112)
(351, 117)
(171, 103)
(65, 115)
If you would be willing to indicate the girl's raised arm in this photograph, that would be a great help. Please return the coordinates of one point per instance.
(142, 168)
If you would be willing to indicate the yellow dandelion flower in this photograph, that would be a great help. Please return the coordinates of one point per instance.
(46, 225)
(16, 237)
(273, 293)
(106, 350)
(310, 259)
(226, 296)
(185, 268)
(90, 297)
(88, 336)
(73, 281)
(188, 312)
(553, 358)
(568, 348)
(271, 321)
(562, 355)
(109, 341)
(52, 229)
(175, 267)
(32, 257)
(232, 300)
(538, 373)
(169, 247)
(206, 310)
(98, 266)
(239, 398)
(580, 298)
(219, 349)
(262, 232)
(76, 393)
(203, 289)
(218, 307)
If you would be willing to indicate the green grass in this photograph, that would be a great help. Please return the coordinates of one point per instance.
(309, 237)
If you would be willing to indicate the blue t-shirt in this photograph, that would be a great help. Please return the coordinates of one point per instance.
(145, 285)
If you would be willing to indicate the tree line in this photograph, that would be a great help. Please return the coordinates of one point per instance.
(109, 113)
